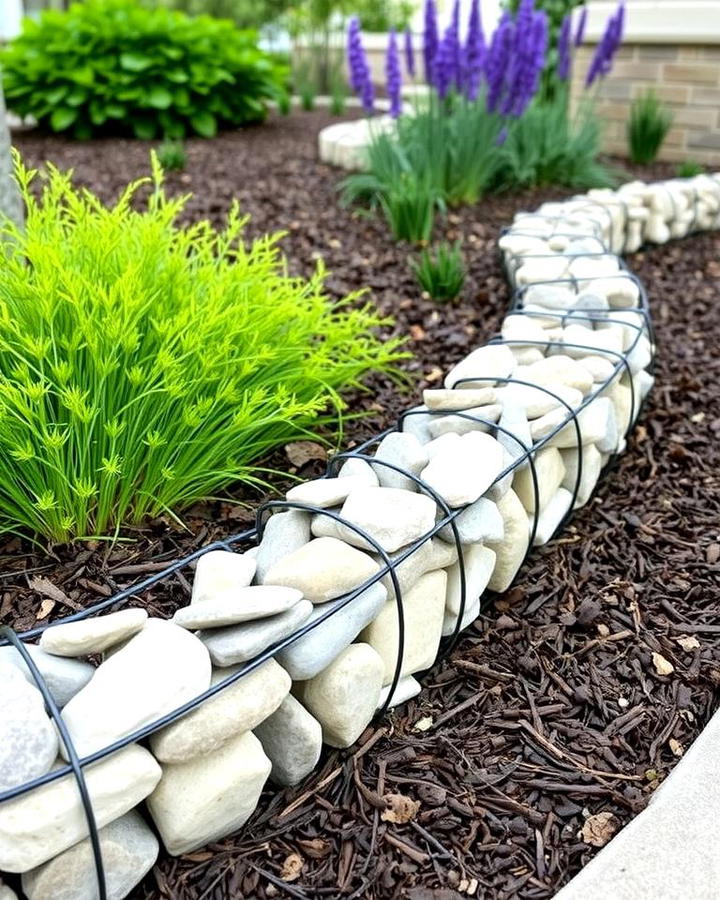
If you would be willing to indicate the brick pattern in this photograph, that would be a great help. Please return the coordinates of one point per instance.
(687, 78)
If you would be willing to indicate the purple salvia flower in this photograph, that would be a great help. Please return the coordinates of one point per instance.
(455, 50)
(360, 78)
(533, 62)
(430, 39)
(520, 57)
(601, 62)
(582, 22)
(409, 53)
(444, 66)
(563, 66)
(496, 60)
(474, 52)
(502, 136)
(393, 76)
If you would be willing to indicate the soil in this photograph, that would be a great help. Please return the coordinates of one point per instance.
(573, 694)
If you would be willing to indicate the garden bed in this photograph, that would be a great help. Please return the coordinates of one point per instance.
(557, 679)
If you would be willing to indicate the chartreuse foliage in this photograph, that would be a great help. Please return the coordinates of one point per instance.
(116, 66)
(144, 365)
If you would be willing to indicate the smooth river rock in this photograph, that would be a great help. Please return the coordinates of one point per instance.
(551, 517)
(64, 677)
(292, 740)
(157, 671)
(462, 472)
(426, 557)
(510, 551)
(487, 363)
(94, 634)
(404, 450)
(242, 605)
(284, 533)
(325, 492)
(479, 565)
(477, 523)
(452, 400)
(592, 464)
(549, 471)
(405, 690)
(218, 571)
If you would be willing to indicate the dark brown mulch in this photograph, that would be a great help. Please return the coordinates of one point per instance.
(554, 707)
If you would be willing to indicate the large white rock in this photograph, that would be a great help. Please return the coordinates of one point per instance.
(218, 571)
(549, 470)
(7, 893)
(479, 564)
(464, 471)
(64, 677)
(344, 696)
(240, 643)
(551, 517)
(312, 652)
(94, 634)
(129, 850)
(157, 671)
(488, 363)
(284, 533)
(242, 605)
(292, 740)
(323, 569)
(210, 796)
(405, 690)
(452, 400)
(423, 608)
(477, 523)
(28, 740)
(39, 825)
(324, 492)
(477, 418)
(510, 552)
(536, 402)
(580, 341)
(237, 708)
(402, 449)
(359, 468)
(427, 557)
(391, 516)
(592, 463)
(557, 370)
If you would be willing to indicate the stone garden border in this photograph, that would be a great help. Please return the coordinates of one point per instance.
(561, 419)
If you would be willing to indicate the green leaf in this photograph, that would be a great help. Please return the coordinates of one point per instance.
(62, 118)
(159, 97)
(135, 62)
(144, 129)
(204, 123)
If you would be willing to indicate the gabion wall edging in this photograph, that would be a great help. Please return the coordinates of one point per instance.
(355, 583)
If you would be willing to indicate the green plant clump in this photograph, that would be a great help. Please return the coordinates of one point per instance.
(144, 365)
(113, 66)
(172, 156)
(441, 275)
(650, 121)
(690, 168)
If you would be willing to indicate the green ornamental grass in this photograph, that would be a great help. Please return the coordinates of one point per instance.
(650, 121)
(145, 366)
(441, 274)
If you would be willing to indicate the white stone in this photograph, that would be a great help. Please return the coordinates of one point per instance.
(577, 338)
(358, 469)
(526, 355)
(640, 355)
(557, 370)
(284, 533)
(64, 677)
(597, 426)
(442, 443)
(590, 473)
(406, 689)
(39, 825)
(237, 708)
(92, 635)
(325, 492)
(312, 652)
(157, 671)
(7, 893)
(551, 517)
(28, 740)
(292, 740)
(344, 696)
(240, 643)
(490, 362)
(479, 522)
(462, 473)
(600, 367)
(472, 611)
(391, 516)
(427, 557)
(620, 291)
(481, 419)
(218, 571)
(323, 569)
(417, 423)
(643, 382)
(550, 296)
(537, 402)
(586, 268)
(451, 400)
(549, 470)
(129, 850)
(510, 552)
(242, 605)
(513, 433)
(423, 607)
(402, 449)
(479, 564)
(541, 269)
(522, 328)
(211, 796)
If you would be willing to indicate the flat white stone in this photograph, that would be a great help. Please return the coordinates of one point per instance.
(590, 473)
(94, 634)
(323, 569)
(312, 652)
(64, 677)
(344, 696)
(325, 492)
(284, 533)
(481, 419)
(391, 516)
(510, 552)
(557, 370)
(292, 740)
(451, 400)
(358, 468)
(157, 671)
(600, 367)
(406, 689)
(129, 850)
(550, 296)
(577, 338)
(423, 608)
(28, 740)
(542, 268)
(589, 267)
(218, 571)
(537, 402)
(237, 708)
(240, 643)
(472, 611)
(490, 362)
(39, 825)
(211, 796)
(549, 470)
(551, 517)
(526, 355)
(7, 893)
(620, 291)
(479, 565)
(242, 605)
(427, 557)
(479, 522)
(517, 327)
(462, 473)
(597, 426)
(402, 449)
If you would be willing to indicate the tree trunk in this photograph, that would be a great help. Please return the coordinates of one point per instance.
(10, 201)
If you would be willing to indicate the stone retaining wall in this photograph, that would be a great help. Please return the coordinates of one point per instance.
(354, 584)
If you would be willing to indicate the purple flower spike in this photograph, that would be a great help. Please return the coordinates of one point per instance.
(607, 48)
(455, 49)
(563, 67)
(445, 63)
(496, 61)
(475, 51)
(360, 78)
(430, 39)
(582, 22)
(393, 75)
(409, 53)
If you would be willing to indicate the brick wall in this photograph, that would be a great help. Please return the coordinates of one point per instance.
(686, 77)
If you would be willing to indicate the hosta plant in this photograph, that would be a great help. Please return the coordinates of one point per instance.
(115, 66)
(145, 365)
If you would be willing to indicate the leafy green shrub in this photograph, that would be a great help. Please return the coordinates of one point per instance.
(114, 66)
(172, 156)
(144, 365)
(650, 121)
(689, 169)
(441, 275)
